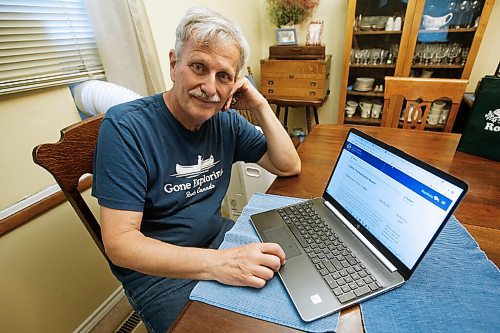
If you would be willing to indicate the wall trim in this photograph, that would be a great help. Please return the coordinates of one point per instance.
(29, 201)
(35, 205)
(91, 322)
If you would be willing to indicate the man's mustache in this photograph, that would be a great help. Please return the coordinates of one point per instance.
(198, 93)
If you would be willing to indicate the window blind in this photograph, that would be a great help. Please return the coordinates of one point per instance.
(45, 43)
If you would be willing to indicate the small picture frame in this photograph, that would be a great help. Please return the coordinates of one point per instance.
(314, 33)
(286, 36)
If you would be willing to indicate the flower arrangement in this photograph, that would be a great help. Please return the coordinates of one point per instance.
(291, 12)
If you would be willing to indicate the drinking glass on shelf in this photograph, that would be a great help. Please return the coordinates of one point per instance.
(375, 55)
(366, 56)
(358, 55)
(463, 8)
(465, 55)
(441, 53)
(453, 8)
(427, 54)
(453, 52)
(474, 11)
(394, 48)
(383, 54)
(418, 55)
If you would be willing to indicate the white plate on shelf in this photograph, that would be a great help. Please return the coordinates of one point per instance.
(363, 89)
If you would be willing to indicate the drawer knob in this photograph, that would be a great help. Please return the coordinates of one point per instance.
(271, 91)
(291, 76)
(312, 93)
(270, 82)
(312, 83)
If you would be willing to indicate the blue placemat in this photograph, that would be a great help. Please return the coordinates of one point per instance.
(270, 303)
(456, 288)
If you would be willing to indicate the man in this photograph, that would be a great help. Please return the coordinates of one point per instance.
(163, 165)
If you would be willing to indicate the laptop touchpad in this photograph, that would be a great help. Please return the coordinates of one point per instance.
(281, 236)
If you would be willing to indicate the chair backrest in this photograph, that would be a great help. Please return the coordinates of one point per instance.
(68, 160)
(419, 94)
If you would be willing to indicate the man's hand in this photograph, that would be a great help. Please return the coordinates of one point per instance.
(249, 265)
(244, 96)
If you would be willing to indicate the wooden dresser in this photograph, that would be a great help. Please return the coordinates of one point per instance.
(298, 80)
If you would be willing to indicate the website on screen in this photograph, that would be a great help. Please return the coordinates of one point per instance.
(401, 204)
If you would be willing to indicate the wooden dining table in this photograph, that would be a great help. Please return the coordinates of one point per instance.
(479, 212)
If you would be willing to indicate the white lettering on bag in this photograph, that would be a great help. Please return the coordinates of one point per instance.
(492, 119)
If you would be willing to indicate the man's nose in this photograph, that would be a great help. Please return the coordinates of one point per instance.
(209, 85)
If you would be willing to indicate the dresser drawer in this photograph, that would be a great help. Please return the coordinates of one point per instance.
(311, 83)
(295, 79)
(294, 93)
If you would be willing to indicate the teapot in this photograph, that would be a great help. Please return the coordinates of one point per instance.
(435, 23)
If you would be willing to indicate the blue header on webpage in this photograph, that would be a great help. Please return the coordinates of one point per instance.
(424, 191)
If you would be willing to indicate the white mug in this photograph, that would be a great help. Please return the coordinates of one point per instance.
(433, 119)
(376, 109)
(365, 109)
(443, 116)
(397, 24)
(352, 104)
(389, 26)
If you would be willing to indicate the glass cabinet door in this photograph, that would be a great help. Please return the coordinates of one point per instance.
(445, 37)
(377, 33)
(408, 38)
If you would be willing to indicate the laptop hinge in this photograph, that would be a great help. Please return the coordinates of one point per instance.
(362, 238)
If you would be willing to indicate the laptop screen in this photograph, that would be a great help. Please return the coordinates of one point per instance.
(394, 197)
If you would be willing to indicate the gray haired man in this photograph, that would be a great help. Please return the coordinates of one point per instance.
(162, 168)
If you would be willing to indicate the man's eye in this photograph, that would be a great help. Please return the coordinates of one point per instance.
(197, 67)
(225, 76)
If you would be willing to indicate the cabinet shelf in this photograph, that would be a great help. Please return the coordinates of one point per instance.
(372, 66)
(376, 32)
(365, 93)
(447, 66)
(357, 120)
(451, 30)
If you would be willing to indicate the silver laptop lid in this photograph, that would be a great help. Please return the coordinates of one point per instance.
(400, 204)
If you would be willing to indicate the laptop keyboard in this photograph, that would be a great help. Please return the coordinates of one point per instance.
(343, 272)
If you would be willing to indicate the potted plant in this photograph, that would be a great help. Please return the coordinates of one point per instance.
(290, 12)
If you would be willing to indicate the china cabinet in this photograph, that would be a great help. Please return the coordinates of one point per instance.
(406, 38)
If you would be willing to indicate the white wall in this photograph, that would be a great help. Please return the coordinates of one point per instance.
(164, 17)
(489, 53)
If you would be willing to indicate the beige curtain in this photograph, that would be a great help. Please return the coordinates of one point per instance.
(126, 44)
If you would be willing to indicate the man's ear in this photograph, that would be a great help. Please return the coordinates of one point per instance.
(173, 61)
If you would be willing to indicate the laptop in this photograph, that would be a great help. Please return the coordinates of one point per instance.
(379, 214)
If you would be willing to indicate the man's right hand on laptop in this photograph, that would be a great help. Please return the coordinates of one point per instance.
(249, 265)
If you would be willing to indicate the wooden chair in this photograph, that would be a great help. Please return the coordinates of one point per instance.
(419, 94)
(68, 160)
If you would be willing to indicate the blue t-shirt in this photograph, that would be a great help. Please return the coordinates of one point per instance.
(147, 161)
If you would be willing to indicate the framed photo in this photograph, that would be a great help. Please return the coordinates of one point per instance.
(286, 36)
(314, 33)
